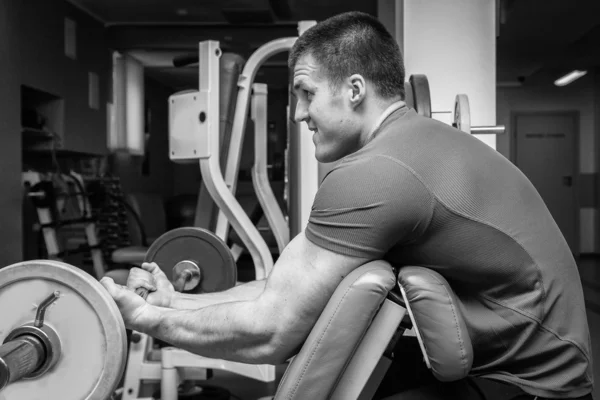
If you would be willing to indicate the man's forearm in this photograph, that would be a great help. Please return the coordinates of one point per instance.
(244, 292)
(237, 331)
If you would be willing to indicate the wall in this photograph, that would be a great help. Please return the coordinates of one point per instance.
(43, 65)
(10, 151)
(32, 54)
(455, 57)
(578, 96)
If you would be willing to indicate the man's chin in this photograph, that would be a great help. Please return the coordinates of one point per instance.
(325, 158)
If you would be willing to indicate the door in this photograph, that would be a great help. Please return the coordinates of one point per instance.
(545, 149)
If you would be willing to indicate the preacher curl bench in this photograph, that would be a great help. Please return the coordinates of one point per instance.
(72, 345)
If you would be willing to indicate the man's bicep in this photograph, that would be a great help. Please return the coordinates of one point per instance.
(302, 282)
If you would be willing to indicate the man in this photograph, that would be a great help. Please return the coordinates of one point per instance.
(410, 190)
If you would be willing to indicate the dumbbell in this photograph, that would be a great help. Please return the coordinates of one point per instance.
(63, 334)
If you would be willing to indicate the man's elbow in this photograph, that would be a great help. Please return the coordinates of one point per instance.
(282, 344)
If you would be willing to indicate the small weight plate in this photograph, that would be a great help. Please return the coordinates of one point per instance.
(421, 94)
(408, 95)
(86, 319)
(218, 270)
(462, 113)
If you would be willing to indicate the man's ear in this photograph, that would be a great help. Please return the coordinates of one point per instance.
(358, 89)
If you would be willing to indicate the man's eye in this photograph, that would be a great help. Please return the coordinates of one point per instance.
(308, 94)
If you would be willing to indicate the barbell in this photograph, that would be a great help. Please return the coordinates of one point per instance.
(418, 96)
(57, 319)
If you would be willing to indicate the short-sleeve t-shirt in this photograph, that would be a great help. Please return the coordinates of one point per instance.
(423, 193)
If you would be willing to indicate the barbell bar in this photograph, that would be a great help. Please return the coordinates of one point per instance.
(462, 119)
(418, 97)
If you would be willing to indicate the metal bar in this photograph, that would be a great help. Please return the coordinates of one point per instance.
(241, 111)
(303, 169)
(369, 352)
(210, 167)
(260, 177)
(488, 130)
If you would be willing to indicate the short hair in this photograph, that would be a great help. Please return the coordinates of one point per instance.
(354, 43)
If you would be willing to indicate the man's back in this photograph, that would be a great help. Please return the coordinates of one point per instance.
(476, 219)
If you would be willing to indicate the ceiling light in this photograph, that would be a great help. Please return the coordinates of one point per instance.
(182, 12)
(570, 77)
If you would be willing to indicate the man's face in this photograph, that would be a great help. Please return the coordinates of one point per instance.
(326, 112)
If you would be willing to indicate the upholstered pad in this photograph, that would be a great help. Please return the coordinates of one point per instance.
(313, 373)
(439, 326)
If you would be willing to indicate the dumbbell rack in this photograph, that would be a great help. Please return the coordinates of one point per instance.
(111, 215)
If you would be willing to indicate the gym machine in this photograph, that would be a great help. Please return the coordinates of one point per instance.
(187, 145)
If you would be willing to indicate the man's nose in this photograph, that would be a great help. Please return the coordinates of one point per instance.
(301, 112)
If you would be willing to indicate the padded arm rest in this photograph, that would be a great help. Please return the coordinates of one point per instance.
(313, 373)
(438, 323)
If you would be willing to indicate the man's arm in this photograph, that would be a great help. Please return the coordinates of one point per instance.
(244, 292)
(266, 329)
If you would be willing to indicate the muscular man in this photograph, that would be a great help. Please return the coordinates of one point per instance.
(412, 191)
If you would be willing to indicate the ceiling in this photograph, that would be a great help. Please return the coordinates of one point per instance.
(541, 40)
(538, 40)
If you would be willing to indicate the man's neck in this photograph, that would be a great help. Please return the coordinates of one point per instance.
(377, 114)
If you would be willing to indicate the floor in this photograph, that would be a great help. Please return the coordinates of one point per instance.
(248, 389)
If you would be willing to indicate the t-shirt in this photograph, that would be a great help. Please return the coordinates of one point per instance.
(423, 193)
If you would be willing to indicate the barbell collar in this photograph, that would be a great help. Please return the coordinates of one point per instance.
(187, 275)
(49, 340)
(20, 358)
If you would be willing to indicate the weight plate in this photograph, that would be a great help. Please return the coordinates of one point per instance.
(408, 95)
(462, 113)
(86, 319)
(218, 270)
(421, 94)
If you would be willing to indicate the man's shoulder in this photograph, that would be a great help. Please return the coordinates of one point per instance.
(370, 163)
(368, 177)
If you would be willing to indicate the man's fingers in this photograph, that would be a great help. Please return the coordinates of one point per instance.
(139, 278)
(131, 306)
(153, 268)
(115, 290)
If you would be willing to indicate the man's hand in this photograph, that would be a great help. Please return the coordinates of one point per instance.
(137, 313)
(152, 278)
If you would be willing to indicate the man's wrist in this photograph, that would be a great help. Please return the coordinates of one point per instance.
(171, 299)
(149, 320)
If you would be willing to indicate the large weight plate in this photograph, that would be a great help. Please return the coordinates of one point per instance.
(86, 319)
(421, 94)
(218, 270)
